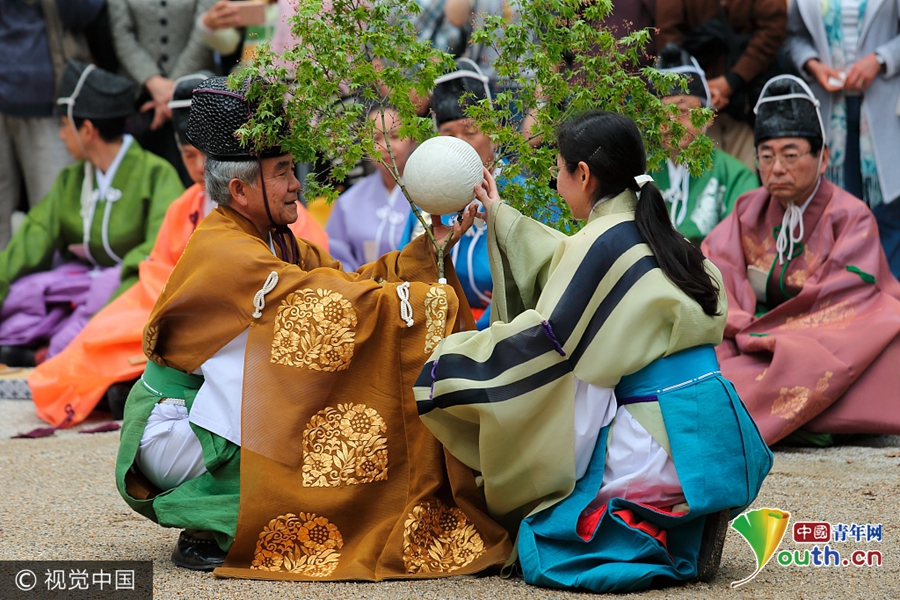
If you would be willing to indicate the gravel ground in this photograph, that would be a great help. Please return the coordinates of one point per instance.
(58, 501)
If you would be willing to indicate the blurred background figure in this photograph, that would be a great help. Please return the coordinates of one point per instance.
(76, 247)
(369, 219)
(696, 204)
(106, 357)
(737, 43)
(158, 41)
(32, 36)
(849, 52)
(467, 14)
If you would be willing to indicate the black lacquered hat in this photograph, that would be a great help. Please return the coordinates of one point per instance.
(449, 95)
(89, 92)
(180, 105)
(216, 113)
(787, 108)
(675, 59)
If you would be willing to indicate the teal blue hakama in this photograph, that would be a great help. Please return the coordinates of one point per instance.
(721, 461)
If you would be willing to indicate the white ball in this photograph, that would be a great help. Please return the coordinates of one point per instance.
(441, 174)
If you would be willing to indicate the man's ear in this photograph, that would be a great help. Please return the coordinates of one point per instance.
(238, 191)
(88, 132)
(825, 158)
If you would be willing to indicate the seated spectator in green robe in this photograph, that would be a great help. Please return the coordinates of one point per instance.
(696, 204)
(82, 243)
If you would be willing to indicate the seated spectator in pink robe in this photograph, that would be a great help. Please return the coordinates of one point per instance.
(811, 341)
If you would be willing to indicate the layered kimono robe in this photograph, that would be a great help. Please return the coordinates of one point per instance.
(820, 350)
(115, 227)
(335, 477)
(592, 310)
(710, 197)
(67, 387)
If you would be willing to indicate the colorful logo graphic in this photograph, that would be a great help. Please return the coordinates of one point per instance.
(763, 529)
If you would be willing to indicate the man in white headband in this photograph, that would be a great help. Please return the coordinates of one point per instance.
(696, 204)
(813, 310)
(102, 214)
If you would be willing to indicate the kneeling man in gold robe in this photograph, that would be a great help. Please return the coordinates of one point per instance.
(275, 422)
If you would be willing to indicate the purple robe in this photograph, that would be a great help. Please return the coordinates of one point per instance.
(53, 306)
(366, 222)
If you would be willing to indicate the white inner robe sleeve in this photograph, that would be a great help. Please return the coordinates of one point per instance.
(637, 467)
(595, 408)
(217, 407)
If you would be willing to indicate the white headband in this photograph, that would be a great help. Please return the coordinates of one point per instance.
(693, 69)
(474, 72)
(186, 103)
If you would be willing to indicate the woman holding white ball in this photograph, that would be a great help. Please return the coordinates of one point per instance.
(593, 406)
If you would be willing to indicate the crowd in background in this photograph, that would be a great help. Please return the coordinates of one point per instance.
(848, 51)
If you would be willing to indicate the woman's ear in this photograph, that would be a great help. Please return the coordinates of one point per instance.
(583, 172)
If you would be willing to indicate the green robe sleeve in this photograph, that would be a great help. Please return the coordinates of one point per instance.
(31, 248)
(164, 188)
(738, 181)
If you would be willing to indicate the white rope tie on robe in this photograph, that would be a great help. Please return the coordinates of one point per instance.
(112, 195)
(791, 231)
(678, 192)
(259, 299)
(406, 311)
(792, 227)
(88, 205)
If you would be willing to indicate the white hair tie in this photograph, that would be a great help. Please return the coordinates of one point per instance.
(643, 180)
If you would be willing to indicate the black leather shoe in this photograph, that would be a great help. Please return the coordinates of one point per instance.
(17, 356)
(711, 545)
(198, 554)
(116, 396)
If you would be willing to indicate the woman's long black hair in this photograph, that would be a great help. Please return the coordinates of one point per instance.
(611, 145)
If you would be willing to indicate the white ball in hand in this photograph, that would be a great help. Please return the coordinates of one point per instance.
(441, 175)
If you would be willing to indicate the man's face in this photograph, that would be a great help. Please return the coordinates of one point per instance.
(282, 189)
(685, 104)
(464, 129)
(401, 148)
(788, 170)
(194, 162)
(71, 139)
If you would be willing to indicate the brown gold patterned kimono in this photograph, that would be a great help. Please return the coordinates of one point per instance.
(339, 479)
(823, 351)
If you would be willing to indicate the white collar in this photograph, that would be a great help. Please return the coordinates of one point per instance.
(104, 180)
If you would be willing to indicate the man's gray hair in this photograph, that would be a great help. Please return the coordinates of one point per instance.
(219, 173)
